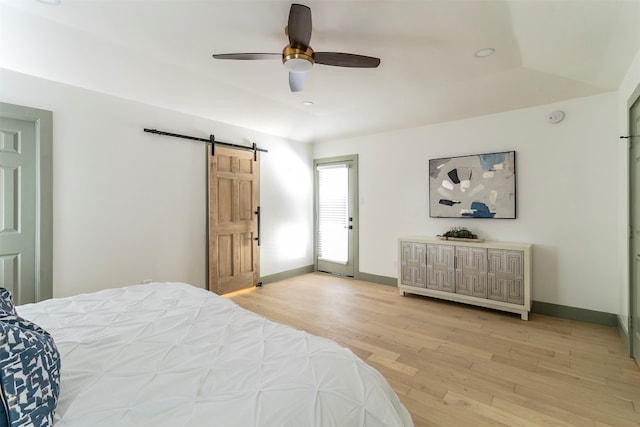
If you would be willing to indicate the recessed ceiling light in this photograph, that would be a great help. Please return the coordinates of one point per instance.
(306, 103)
(51, 2)
(483, 53)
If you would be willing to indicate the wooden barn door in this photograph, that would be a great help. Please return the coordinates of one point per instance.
(233, 220)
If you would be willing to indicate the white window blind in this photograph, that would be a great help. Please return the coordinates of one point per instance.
(333, 213)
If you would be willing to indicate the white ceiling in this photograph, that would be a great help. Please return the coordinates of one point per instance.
(159, 52)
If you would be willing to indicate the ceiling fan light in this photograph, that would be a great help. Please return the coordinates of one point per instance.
(296, 81)
(298, 65)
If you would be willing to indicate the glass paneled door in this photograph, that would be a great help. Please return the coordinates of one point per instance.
(336, 215)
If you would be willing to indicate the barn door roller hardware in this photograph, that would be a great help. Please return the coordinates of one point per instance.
(211, 140)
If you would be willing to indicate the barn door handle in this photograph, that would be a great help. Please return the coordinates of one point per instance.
(258, 214)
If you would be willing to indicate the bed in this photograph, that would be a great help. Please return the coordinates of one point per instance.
(171, 354)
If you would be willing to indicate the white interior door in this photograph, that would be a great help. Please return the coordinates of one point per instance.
(336, 219)
(26, 202)
(18, 208)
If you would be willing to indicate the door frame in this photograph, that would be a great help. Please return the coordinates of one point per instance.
(43, 120)
(632, 291)
(353, 158)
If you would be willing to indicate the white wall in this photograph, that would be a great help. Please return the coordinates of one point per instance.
(626, 89)
(567, 201)
(129, 205)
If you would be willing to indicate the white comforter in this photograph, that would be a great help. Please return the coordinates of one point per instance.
(170, 354)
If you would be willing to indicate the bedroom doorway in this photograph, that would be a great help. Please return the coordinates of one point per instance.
(26, 219)
(336, 215)
(634, 204)
(234, 219)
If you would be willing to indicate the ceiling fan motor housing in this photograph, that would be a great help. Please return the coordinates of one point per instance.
(297, 60)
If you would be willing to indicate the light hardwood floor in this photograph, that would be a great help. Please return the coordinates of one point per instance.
(457, 365)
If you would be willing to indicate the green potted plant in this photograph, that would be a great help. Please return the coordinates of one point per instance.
(459, 233)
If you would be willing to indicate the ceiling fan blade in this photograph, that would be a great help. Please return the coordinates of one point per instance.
(299, 26)
(296, 81)
(247, 56)
(338, 59)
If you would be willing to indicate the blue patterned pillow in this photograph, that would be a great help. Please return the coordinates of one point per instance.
(29, 369)
(6, 302)
(6, 306)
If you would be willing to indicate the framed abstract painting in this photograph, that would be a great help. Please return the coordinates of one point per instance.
(475, 186)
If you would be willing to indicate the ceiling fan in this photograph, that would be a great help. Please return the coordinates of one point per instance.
(298, 57)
